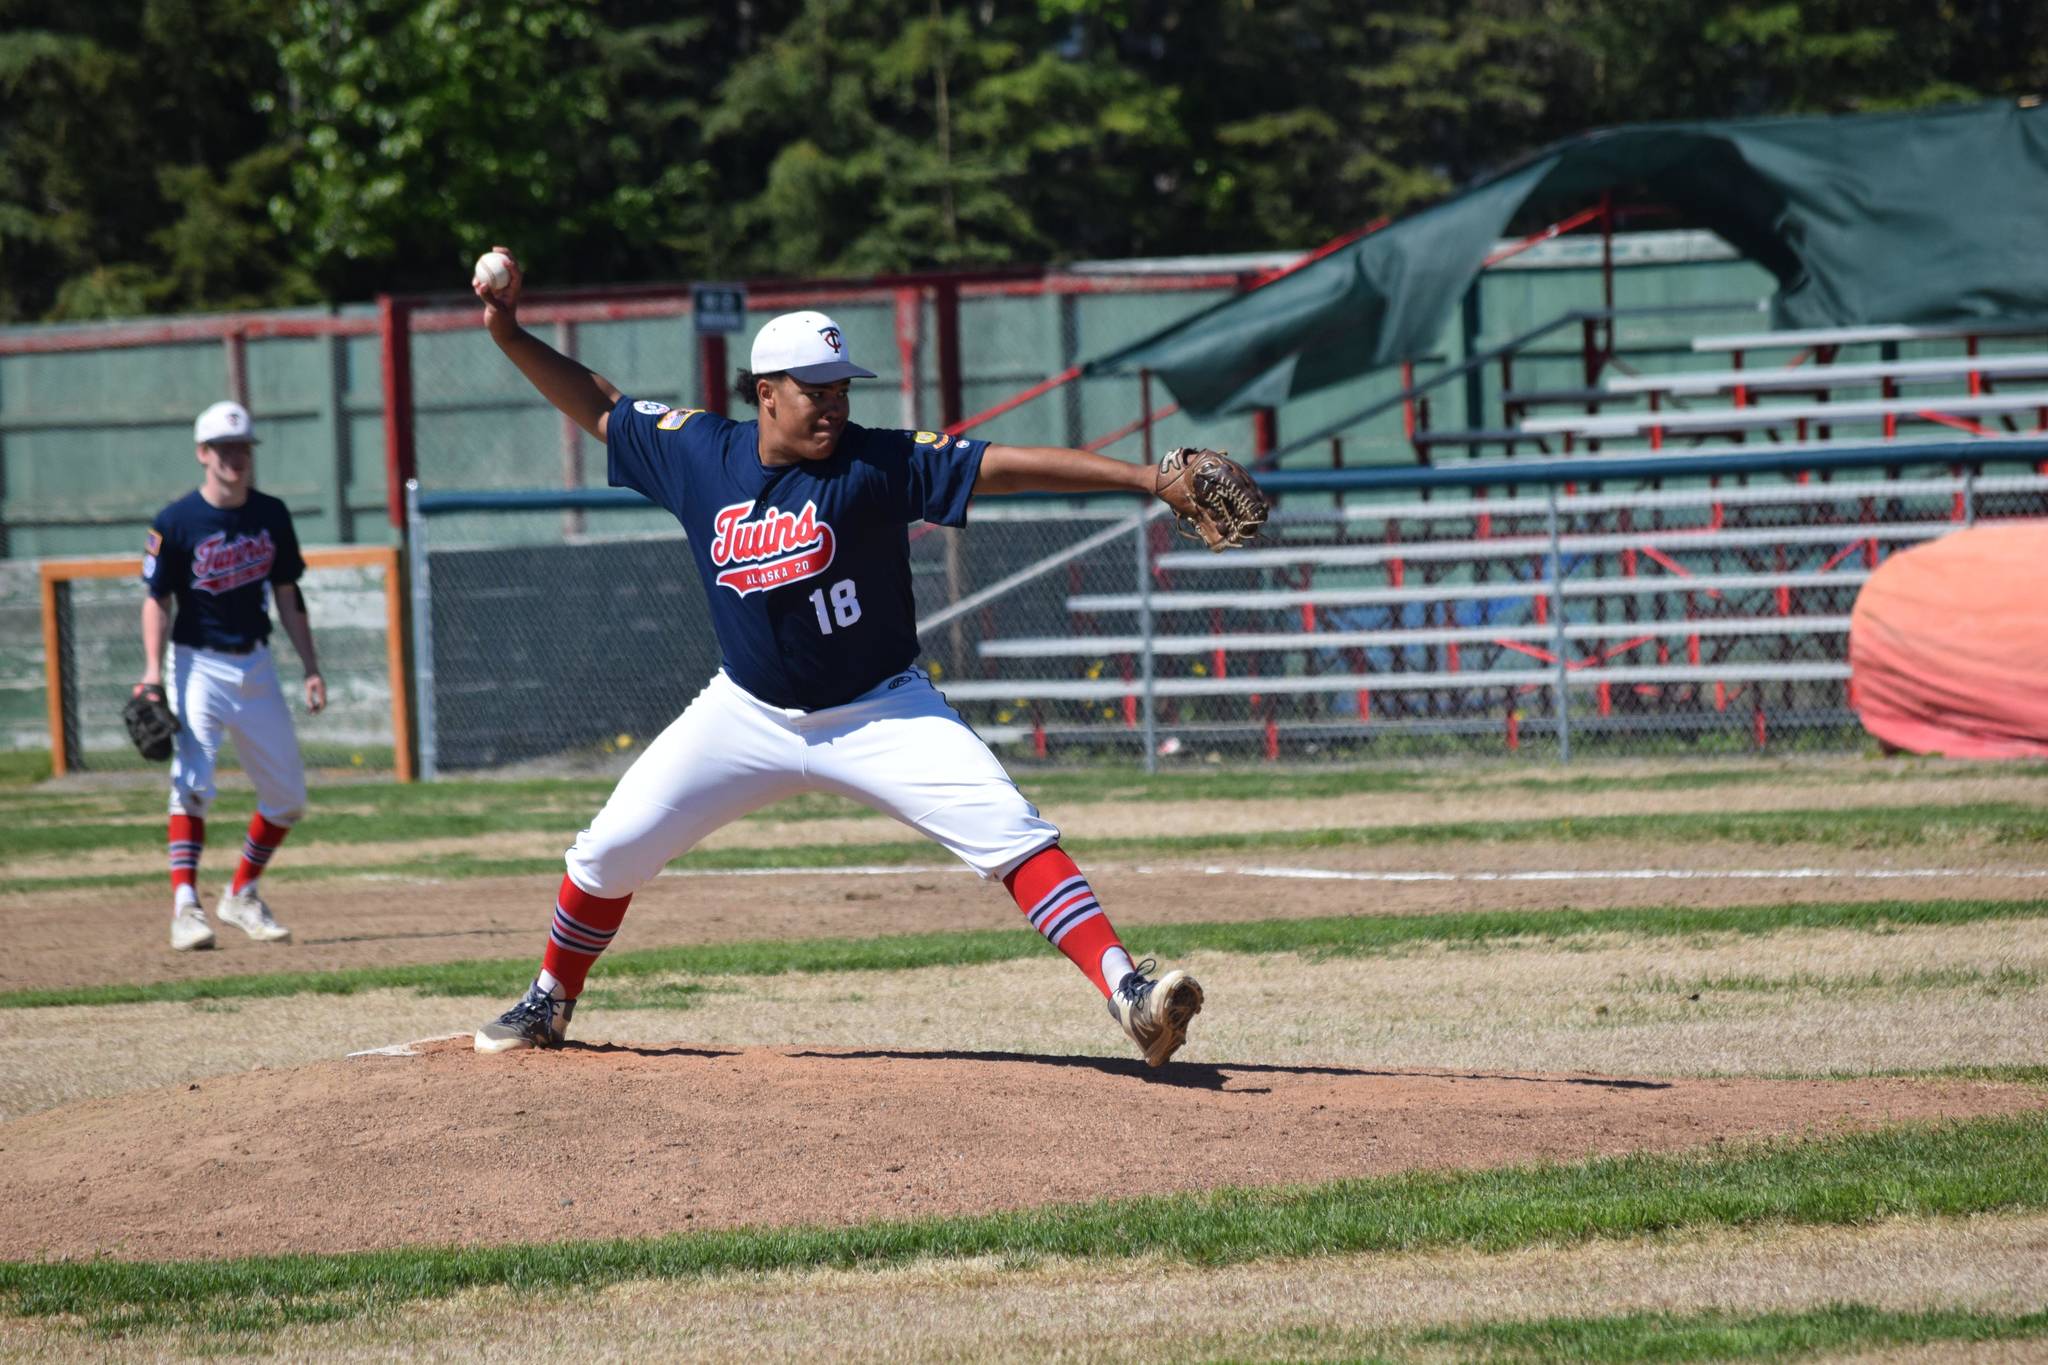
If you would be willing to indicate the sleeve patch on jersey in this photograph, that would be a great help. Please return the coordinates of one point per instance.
(149, 566)
(153, 543)
(650, 407)
(675, 419)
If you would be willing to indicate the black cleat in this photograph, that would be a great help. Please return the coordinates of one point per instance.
(538, 1020)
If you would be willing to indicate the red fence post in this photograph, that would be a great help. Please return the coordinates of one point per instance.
(946, 305)
(712, 387)
(909, 338)
(236, 344)
(394, 329)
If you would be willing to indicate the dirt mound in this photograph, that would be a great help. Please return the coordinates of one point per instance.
(612, 1140)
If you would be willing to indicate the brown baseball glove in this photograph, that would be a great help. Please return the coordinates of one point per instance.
(1212, 497)
(150, 723)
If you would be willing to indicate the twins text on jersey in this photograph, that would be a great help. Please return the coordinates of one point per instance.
(771, 551)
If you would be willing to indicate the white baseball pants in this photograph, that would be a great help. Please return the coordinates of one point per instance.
(218, 694)
(898, 748)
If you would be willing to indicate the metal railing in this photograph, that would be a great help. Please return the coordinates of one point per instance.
(1541, 621)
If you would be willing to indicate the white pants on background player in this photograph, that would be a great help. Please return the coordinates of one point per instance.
(218, 694)
(898, 748)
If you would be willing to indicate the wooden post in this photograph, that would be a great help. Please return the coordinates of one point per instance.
(53, 675)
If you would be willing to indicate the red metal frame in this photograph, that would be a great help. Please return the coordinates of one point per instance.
(713, 388)
(394, 321)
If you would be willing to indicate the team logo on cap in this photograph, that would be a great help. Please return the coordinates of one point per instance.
(831, 335)
(778, 549)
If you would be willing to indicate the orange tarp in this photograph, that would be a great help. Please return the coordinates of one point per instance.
(1948, 645)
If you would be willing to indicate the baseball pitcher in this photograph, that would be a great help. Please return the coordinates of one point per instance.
(211, 562)
(798, 524)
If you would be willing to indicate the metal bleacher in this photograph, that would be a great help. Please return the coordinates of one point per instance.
(1619, 595)
(1799, 416)
(1815, 373)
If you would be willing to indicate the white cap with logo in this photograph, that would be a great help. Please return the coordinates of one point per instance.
(806, 346)
(224, 423)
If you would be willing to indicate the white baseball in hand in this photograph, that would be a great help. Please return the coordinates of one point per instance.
(493, 271)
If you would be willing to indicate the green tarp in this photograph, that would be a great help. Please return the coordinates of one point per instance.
(1906, 218)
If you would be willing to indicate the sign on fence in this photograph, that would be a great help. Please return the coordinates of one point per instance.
(719, 308)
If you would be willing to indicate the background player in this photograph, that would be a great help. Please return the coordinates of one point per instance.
(214, 554)
(798, 524)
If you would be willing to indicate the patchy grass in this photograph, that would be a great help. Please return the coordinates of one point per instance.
(2000, 825)
(1630, 1337)
(1333, 936)
(1976, 980)
(21, 767)
(1951, 1170)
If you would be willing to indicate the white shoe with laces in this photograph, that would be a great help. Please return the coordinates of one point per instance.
(247, 912)
(189, 929)
(1155, 1014)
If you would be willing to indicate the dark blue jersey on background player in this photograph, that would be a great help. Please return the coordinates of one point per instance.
(220, 564)
(213, 563)
(797, 522)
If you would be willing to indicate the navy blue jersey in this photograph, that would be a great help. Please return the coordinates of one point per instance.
(806, 566)
(216, 561)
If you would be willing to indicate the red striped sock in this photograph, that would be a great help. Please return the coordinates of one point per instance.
(583, 928)
(257, 845)
(1058, 901)
(188, 841)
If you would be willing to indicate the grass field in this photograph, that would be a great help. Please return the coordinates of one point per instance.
(1835, 930)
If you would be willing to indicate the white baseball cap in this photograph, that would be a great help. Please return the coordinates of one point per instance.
(806, 346)
(224, 423)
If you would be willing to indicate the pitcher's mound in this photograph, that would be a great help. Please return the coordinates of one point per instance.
(609, 1140)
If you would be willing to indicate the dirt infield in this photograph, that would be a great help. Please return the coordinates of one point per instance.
(171, 1130)
(446, 1147)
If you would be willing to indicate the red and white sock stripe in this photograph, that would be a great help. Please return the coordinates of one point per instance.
(187, 842)
(1061, 905)
(1063, 909)
(257, 847)
(584, 927)
(577, 937)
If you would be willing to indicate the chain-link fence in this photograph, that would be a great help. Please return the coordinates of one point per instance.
(1386, 614)
(940, 355)
(97, 619)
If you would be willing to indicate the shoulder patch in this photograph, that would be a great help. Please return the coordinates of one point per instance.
(153, 543)
(675, 418)
(937, 440)
(650, 407)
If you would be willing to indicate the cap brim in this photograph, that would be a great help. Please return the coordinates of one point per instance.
(231, 441)
(829, 372)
